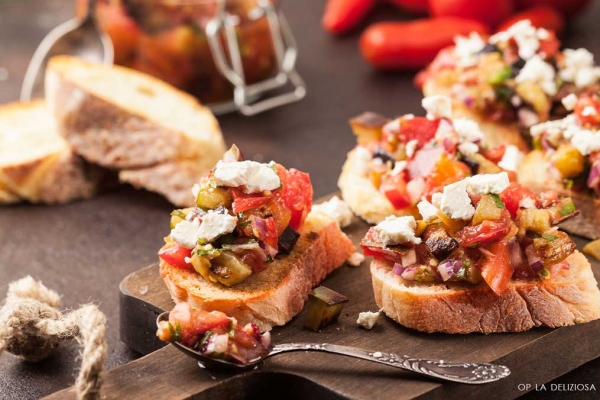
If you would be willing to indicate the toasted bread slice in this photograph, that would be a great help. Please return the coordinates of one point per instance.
(569, 298)
(533, 173)
(276, 295)
(37, 164)
(123, 119)
(173, 180)
(496, 132)
(361, 196)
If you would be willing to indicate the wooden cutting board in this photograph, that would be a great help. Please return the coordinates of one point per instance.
(534, 357)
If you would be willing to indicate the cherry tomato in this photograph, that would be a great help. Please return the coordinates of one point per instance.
(342, 16)
(495, 268)
(241, 204)
(495, 154)
(590, 103)
(394, 188)
(175, 255)
(487, 231)
(296, 194)
(420, 129)
(489, 12)
(540, 16)
(513, 194)
(414, 44)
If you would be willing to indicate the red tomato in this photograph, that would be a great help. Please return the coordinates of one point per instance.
(495, 154)
(513, 194)
(342, 16)
(419, 7)
(489, 12)
(420, 129)
(445, 171)
(487, 231)
(203, 321)
(495, 268)
(296, 195)
(175, 255)
(412, 45)
(566, 7)
(241, 204)
(540, 16)
(394, 188)
(588, 101)
(549, 46)
(271, 236)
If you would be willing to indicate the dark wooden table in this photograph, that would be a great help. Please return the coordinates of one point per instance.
(83, 250)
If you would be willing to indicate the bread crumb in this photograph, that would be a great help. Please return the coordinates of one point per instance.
(355, 259)
(368, 319)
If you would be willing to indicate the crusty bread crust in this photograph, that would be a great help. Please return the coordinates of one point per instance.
(276, 295)
(172, 180)
(496, 133)
(115, 135)
(534, 173)
(362, 197)
(570, 297)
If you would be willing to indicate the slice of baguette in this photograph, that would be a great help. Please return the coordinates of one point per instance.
(534, 173)
(276, 295)
(361, 196)
(37, 164)
(123, 119)
(496, 133)
(570, 297)
(172, 180)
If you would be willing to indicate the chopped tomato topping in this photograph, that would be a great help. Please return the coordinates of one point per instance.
(445, 172)
(495, 154)
(420, 129)
(512, 196)
(487, 231)
(241, 204)
(394, 188)
(550, 45)
(175, 255)
(296, 195)
(588, 118)
(495, 267)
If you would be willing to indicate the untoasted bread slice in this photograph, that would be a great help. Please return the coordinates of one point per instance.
(123, 119)
(276, 295)
(533, 173)
(37, 164)
(570, 297)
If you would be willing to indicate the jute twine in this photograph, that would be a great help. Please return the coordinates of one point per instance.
(31, 326)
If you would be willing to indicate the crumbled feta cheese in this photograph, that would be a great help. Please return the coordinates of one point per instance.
(468, 148)
(456, 202)
(437, 106)
(427, 210)
(525, 35)
(578, 67)
(195, 190)
(184, 233)
(255, 176)
(355, 259)
(538, 71)
(392, 127)
(408, 116)
(527, 117)
(569, 101)
(586, 141)
(588, 111)
(436, 200)
(487, 183)
(466, 49)
(368, 319)
(511, 159)
(557, 127)
(445, 129)
(397, 230)
(516, 101)
(362, 158)
(411, 147)
(467, 130)
(399, 167)
(337, 209)
(527, 202)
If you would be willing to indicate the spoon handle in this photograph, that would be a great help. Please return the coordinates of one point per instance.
(463, 372)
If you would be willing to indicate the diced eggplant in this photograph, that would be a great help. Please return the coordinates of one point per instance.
(287, 240)
(531, 219)
(487, 209)
(553, 247)
(438, 241)
(324, 308)
(472, 164)
(228, 269)
(367, 127)
(210, 198)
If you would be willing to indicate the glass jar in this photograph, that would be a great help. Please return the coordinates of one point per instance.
(227, 53)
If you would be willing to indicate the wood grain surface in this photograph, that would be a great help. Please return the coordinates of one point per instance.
(166, 374)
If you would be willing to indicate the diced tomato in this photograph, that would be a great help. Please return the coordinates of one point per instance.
(485, 232)
(549, 46)
(175, 255)
(271, 236)
(394, 188)
(495, 154)
(495, 267)
(445, 172)
(587, 118)
(241, 204)
(194, 323)
(420, 129)
(296, 195)
(203, 321)
(512, 196)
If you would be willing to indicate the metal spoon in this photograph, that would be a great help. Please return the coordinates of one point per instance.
(470, 373)
(79, 37)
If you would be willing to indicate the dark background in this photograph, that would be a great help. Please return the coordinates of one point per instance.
(83, 250)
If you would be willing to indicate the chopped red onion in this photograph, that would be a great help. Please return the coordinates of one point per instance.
(409, 258)
(533, 259)
(593, 180)
(449, 268)
(398, 269)
(516, 254)
(259, 227)
(410, 273)
(217, 344)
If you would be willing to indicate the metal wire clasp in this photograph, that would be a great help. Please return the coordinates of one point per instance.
(286, 53)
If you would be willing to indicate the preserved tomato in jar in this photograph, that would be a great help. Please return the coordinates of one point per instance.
(167, 39)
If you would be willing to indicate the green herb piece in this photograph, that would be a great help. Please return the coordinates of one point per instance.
(269, 258)
(231, 331)
(462, 273)
(537, 144)
(467, 263)
(533, 234)
(201, 241)
(498, 201)
(544, 273)
(178, 214)
(473, 245)
(569, 183)
(549, 237)
(244, 224)
(503, 93)
(205, 339)
(501, 76)
(175, 332)
(567, 209)
(207, 252)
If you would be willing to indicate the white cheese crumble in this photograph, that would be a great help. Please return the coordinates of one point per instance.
(445, 128)
(578, 67)
(355, 259)
(255, 176)
(525, 35)
(467, 130)
(468, 148)
(397, 230)
(555, 127)
(427, 210)
(586, 141)
(569, 101)
(487, 183)
(588, 111)
(337, 209)
(466, 49)
(411, 147)
(455, 202)
(392, 127)
(367, 319)
(362, 158)
(538, 71)
(527, 202)
(399, 167)
(213, 225)
(511, 159)
(184, 233)
(437, 106)
(436, 200)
